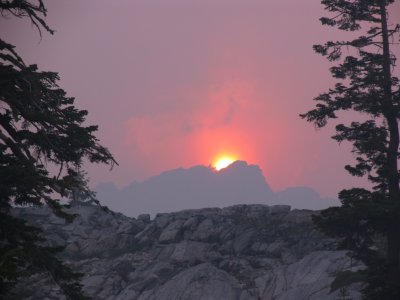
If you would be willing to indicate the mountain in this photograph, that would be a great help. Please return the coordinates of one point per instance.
(302, 197)
(196, 187)
(241, 252)
(200, 186)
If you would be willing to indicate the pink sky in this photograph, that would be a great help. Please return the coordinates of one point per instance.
(175, 83)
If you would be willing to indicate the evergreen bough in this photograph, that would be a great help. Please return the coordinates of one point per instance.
(40, 131)
(368, 221)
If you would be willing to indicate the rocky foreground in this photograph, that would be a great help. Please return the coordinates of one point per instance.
(242, 252)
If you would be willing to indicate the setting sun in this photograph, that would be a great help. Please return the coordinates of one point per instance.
(223, 162)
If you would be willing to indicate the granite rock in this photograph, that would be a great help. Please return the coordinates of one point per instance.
(242, 252)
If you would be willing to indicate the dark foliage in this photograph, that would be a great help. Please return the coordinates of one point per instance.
(40, 130)
(367, 222)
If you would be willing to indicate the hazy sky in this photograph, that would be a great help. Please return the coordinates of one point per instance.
(175, 83)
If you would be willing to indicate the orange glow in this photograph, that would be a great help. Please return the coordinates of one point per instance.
(223, 162)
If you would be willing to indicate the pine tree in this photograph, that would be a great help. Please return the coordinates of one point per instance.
(40, 130)
(366, 84)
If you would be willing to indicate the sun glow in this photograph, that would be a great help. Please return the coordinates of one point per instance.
(223, 162)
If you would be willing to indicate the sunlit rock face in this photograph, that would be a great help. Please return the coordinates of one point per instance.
(239, 252)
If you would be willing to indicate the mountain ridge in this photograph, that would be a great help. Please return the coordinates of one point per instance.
(200, 186)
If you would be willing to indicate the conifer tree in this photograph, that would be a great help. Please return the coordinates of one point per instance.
(368, 221)
(40, 130)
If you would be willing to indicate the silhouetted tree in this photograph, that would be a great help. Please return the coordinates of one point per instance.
(366, 85)
(40, 130)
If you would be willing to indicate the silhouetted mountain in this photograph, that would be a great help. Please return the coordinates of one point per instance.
(303, 197)
(200, 187)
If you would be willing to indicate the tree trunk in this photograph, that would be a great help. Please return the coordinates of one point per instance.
(393, 236)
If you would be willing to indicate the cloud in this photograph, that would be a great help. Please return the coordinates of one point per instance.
(233, 107)
(173, 84)
(170, 129)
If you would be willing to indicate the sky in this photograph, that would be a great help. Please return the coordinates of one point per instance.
(177, 83)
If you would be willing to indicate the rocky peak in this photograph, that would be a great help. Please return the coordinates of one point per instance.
(191, 188)
(238, 252)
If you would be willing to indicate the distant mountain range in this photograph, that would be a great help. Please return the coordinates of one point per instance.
(200, 187)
